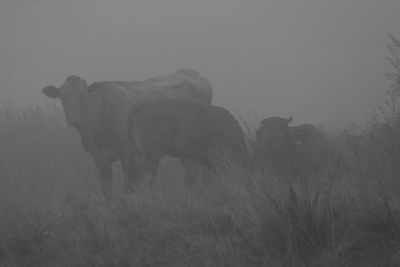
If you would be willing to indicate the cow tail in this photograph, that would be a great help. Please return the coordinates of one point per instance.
(133, 111)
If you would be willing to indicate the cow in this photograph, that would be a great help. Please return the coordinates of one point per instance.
(280, 146)
(191, 131)
(99, 112)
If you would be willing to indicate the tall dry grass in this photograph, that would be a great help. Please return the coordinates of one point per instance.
(52, 212)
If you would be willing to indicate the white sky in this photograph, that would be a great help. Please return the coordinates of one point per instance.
(319, 60)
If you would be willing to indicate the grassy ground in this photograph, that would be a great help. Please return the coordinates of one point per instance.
(52, 213)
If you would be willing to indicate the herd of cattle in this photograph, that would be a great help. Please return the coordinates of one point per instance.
(139, 122)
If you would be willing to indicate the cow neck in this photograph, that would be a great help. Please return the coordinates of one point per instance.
(106, 131)
(100, 128)
(92, 130)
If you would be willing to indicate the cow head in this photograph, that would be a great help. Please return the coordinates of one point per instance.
(273, 144)
(73, 95)
(273, 129)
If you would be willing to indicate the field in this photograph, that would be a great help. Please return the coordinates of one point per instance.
(53, 214)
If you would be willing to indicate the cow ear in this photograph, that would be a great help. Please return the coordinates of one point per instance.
(262, 122)
(51, 91)
(289, 120)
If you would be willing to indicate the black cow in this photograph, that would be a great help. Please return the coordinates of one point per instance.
(192, 131)
(280, 146)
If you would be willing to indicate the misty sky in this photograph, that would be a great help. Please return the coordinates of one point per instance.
(321, 61)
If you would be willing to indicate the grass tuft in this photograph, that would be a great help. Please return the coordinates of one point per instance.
(53, 214)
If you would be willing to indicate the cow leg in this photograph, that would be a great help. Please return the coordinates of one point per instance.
(208, 169)
(146, 166)
(129, 171)
(151, 168)
(105, 172)
(192, 170)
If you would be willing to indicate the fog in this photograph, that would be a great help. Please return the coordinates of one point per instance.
(321, 61)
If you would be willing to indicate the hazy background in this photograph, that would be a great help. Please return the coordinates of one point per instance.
(321, 61)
